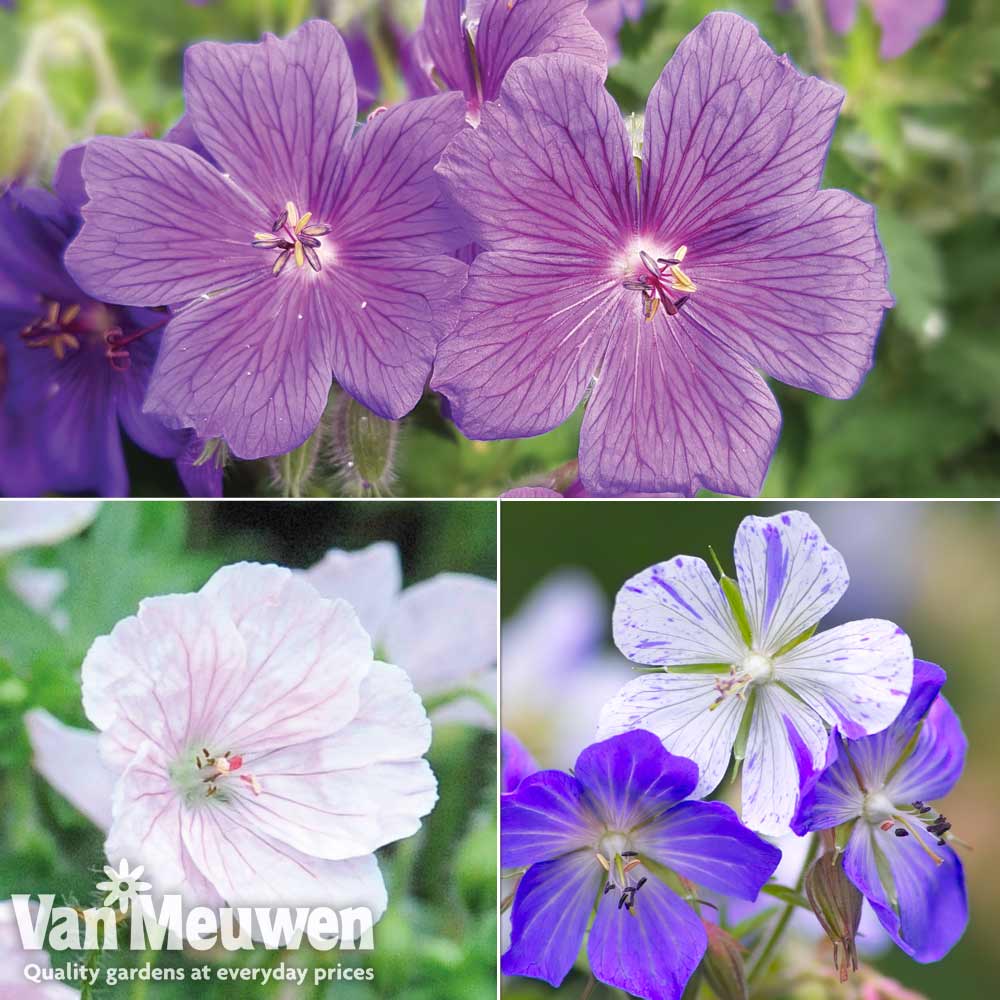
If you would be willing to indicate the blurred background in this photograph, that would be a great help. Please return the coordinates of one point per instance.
(919, 137)
(438, 936)
(929, 567)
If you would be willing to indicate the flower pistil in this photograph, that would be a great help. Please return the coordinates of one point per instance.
(661, 280)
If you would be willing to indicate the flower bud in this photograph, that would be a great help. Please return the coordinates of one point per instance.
(292, 472)
(362, 448)
(723, 964)
(836, 901)
(25, 119)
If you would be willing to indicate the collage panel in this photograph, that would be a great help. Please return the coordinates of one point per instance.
(745, 750)
(247, 750)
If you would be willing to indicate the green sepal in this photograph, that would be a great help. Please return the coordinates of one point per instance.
(790, 896)
(743, 733)
(735, 599)
(701, 668)
(797, 641)
(842, 834)
(885, 875)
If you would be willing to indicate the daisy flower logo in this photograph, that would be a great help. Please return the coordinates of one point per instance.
(123, 886)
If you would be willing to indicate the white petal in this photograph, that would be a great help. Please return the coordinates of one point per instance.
(305, 659)
(443, 632)
(856, 676)
(368, 580)
(25, 523)
(40, 588)
(789, 576)
(770, 771)
(250, 869)
(675, 614)
(68, 759)
(677, 708)
(166, 675)
(350, 793)
(147, 830)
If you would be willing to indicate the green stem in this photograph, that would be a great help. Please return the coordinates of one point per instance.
(786, 915)
(93, 960)
(456, 694)
(141, 987)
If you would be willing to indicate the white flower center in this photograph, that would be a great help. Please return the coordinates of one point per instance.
(877, 808)
(758, 668)
(612, 843)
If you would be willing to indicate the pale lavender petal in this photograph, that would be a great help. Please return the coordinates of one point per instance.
(675, 614)
(802, 294)
(903, 22)
(677, 708)
(383, 318)
(549, 169)
(771, 767)
(842, 14)
(253, 366)
(674, 410)
(530, 493)
(789, 576)
(369, 579)
(275, 114)
(501, 382)
(651, 950)
(69, 760)
(161, 226)
(508, 32)
(855, 676)
(443, 46)
(734, 135)
(550, 914)
(387, 199)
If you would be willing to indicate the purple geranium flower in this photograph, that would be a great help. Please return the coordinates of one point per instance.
(599, 837)
(73, 369)
(879, 791)
(469, 45)
(659, 300)
(311, 256)
(516, 762)
(743, 669)
(608, 16)
(902, 21)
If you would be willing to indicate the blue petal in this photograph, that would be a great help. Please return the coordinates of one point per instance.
(706, 842)
(932, 906)
(830, 795)
(551, 909)
(931, 771)
(650, 951)
(547, 816)
(631, 778)
(517, 762)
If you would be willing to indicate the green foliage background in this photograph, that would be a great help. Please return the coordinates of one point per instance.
(438, 937)
(929, 567)
(919, 137)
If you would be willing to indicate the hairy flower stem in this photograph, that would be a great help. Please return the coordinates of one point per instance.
(771, 942)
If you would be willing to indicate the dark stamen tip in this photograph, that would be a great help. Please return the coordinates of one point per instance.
(310, 255)
(279, 221)
(667, 261)
(680, 302)
(629, 854)
(640, 883)
(309, 241)
(900, 832)
(649, 263)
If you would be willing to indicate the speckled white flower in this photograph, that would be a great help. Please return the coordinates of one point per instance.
(259, 753)
(744, 668)
(441, 631)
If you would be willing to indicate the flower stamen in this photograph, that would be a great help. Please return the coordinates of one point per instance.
(293, 236)
(659, 281)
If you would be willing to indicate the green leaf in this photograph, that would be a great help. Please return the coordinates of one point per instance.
(787, 895)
